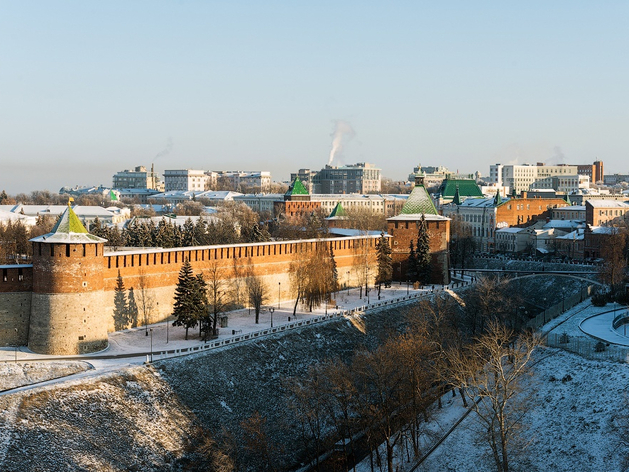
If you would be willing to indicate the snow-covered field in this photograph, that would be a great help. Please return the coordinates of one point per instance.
(572, 423)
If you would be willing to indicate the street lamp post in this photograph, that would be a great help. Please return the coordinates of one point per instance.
(279, 294)
(271, 310)
(151, 330)
(16, 345)
(408, 282)
(166, 330)
(544, 310)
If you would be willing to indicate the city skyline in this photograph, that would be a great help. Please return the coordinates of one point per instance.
(91, 89)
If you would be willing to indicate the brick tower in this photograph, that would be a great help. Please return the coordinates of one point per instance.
(67, 307)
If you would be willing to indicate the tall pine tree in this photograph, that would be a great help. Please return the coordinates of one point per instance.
(423, 252)
(184, 309)
(121, 313)
(385, 263)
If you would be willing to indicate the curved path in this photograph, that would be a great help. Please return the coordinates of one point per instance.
(600, 327)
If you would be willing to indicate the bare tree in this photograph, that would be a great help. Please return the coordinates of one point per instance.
(257, 440)
(257, 292)
(490, 372)
(218, 298)
(363, 260)
(146, 301)
(613, 251)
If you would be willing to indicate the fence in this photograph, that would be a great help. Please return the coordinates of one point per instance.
(589, 348)
(557, 309)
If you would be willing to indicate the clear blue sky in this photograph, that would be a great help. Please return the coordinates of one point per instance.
(88, 88)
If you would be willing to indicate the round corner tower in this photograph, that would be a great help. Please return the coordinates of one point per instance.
(67, 307)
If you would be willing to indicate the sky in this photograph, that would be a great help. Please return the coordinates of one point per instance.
(89, 88)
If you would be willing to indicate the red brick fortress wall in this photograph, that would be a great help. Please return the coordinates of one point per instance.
(158, 269)
(16, 285)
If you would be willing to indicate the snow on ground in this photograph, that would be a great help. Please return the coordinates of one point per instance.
(572, 419)
(570, 423)
(17, 374)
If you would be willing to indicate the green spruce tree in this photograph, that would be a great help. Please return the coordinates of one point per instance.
(423, 252)
(121, 317)
(184, 309)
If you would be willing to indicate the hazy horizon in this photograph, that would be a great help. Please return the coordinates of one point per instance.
(92, 88)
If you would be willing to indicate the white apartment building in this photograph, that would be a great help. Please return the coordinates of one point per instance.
(529, 177)
(185, 180)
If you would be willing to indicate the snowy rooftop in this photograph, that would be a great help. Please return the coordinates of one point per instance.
(608, 204)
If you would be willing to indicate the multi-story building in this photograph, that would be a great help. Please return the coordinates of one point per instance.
(486, 215)
(525, 177)
(605, 212)
(594, 171)
(567, 213)
(615, 179)
(138, 178)
(306, 176)
(186, 180)
(359, 178)
(237, 178)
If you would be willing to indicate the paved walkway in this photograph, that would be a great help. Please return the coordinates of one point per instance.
(600, 326)
(163, 337)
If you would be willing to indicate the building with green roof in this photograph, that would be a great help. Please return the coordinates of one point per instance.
(467, 188)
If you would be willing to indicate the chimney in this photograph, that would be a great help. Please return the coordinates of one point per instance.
(524, 194)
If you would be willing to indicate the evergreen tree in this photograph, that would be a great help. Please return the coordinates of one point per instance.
(165, 236)
(385, 263)
(423, 252)
(121, 314)
(115, 238)
(411, 265)
(188, 234)
(200, 232)
(96, 227)
(200, 302)
(184, 309)
(3, 197)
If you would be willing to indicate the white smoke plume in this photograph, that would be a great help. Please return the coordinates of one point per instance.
(558, 157)
(342, 134)
(166, 150)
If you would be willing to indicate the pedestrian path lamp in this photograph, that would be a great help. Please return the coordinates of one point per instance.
(151, 330)
(271, 310)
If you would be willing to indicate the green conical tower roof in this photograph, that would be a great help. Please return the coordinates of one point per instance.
(338, 211)
(69, 229)
(419, 202)
(568, 199)
(296, 188)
